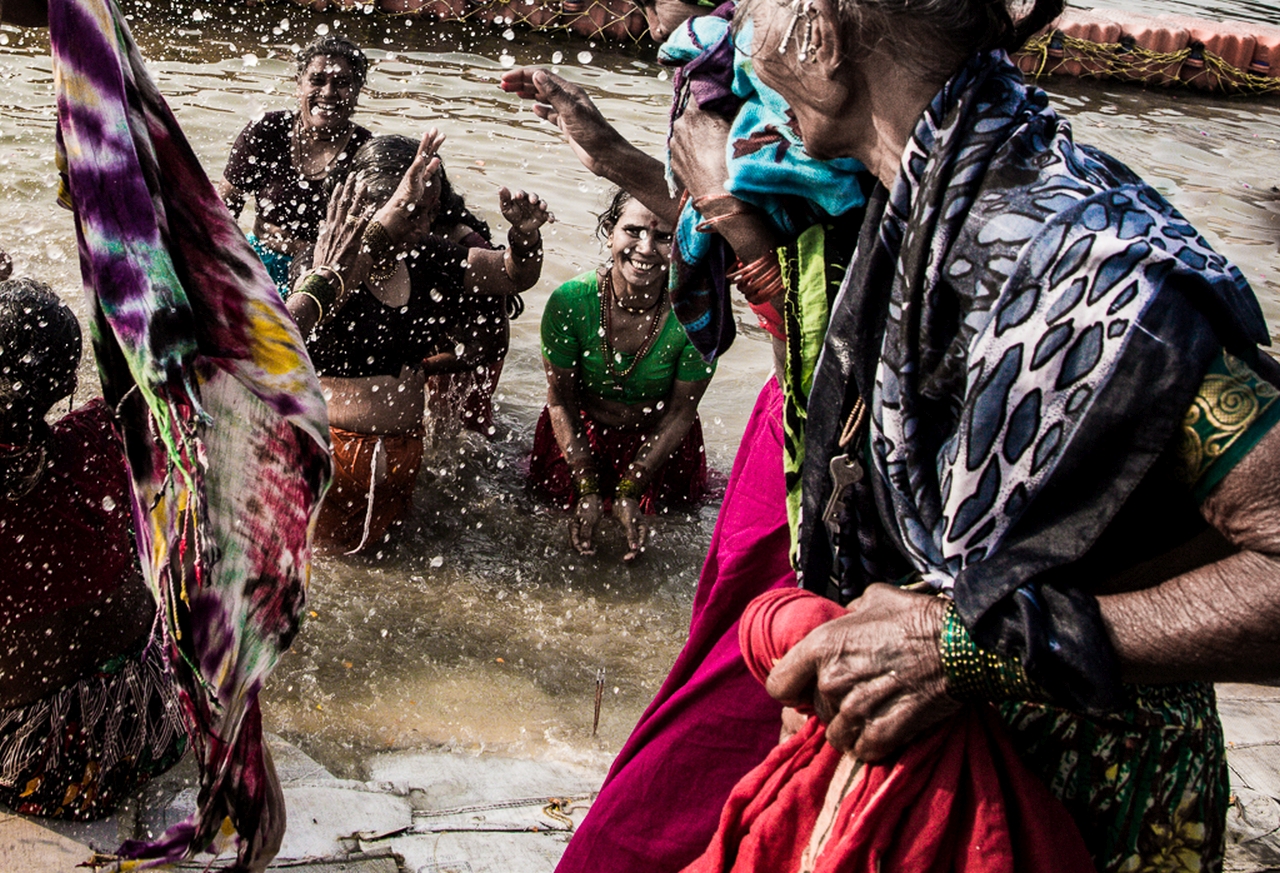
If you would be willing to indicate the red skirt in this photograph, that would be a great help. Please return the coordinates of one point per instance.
(682, 480)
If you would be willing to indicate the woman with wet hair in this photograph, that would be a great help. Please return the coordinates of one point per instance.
(88, 710)
(283, 158)
(410, 296)
(1040, 460)
(623, 384)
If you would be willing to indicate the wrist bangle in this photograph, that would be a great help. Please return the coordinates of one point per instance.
(378, 243)
(302, 292)
(319, 289)
(973, 673)
(586, 484)
(628, 487)
(522, 251)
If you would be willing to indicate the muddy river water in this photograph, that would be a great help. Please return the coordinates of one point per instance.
(477, 626)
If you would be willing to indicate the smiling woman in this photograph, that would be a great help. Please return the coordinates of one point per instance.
(283, 158)
(623, 385)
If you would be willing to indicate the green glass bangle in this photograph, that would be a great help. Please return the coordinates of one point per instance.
(587, 484)
(319, 289)
(629, 487)
(976, 674)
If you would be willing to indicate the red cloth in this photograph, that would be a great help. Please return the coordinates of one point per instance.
(681, 481)
(955, 800)
(777, 620)
(70, 541)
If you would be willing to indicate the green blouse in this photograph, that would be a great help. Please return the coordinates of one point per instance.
(571, 340)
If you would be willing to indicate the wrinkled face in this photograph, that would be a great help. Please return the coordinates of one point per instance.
(664, 16)
(778, 32)
(641, 246)
(327, 93)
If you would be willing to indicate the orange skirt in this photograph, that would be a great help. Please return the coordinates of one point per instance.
(373, 480)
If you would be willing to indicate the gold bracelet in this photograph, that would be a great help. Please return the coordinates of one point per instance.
(320, 306)
(586, 484)
(628, 487)
(378, 243)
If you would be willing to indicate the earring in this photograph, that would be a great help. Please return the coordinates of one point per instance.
(808, 10)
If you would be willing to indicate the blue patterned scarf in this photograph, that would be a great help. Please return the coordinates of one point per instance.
(1029, 322)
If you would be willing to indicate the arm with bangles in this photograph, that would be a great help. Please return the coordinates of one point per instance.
(564, 408)
(672, 426)
(698, 160)
(503, 272)
(352, 238)
(889, 669)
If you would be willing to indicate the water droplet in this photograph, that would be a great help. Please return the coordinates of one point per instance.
(506, 60)
(108, 503)
(437, 562)
(584, 57)
(508, 34)
(557, 58)
(322, 29)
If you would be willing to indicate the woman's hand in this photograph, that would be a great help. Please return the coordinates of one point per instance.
(338, 245)
(582, 527)
(593, 139)
(627, 511)
(875, 675)
(524, 210)
(408, 214)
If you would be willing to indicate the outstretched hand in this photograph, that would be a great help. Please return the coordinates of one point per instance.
(874, 675)
(524, 210)
(407, 215)
(568, 107)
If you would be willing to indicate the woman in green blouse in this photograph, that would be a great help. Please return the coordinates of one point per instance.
(623, 385)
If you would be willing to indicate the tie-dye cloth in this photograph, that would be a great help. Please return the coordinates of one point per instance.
(225, 427)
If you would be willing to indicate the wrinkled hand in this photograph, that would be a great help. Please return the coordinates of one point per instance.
(582, 527)
(524, 210)
(407, 215)
(569, 108)
(338, 245)
(875, 675)
(698, 142)
(627, 511)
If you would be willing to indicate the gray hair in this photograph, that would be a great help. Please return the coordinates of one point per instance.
(918, 29)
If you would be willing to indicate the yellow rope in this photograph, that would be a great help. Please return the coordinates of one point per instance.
(1118, 61)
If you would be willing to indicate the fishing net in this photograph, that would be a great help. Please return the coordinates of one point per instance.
(1057, 53)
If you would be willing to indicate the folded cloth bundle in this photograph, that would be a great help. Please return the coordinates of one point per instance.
(957, 798)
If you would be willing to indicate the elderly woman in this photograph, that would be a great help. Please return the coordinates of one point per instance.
(88, 710)
(623, 385)
(377, 333)
(283, 158)
(1041, 397)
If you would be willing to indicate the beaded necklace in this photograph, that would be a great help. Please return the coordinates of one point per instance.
(606, 325)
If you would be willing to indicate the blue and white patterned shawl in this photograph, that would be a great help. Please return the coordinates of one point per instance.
(1029, 321)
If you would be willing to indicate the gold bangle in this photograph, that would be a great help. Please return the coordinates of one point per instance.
(628, 487)
(586, 484)
(320, 306)
(377, 242)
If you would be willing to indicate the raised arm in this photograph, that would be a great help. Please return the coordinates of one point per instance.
(517, 268)
(597, 143)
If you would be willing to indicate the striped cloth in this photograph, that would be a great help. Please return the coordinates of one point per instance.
(225, 427)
